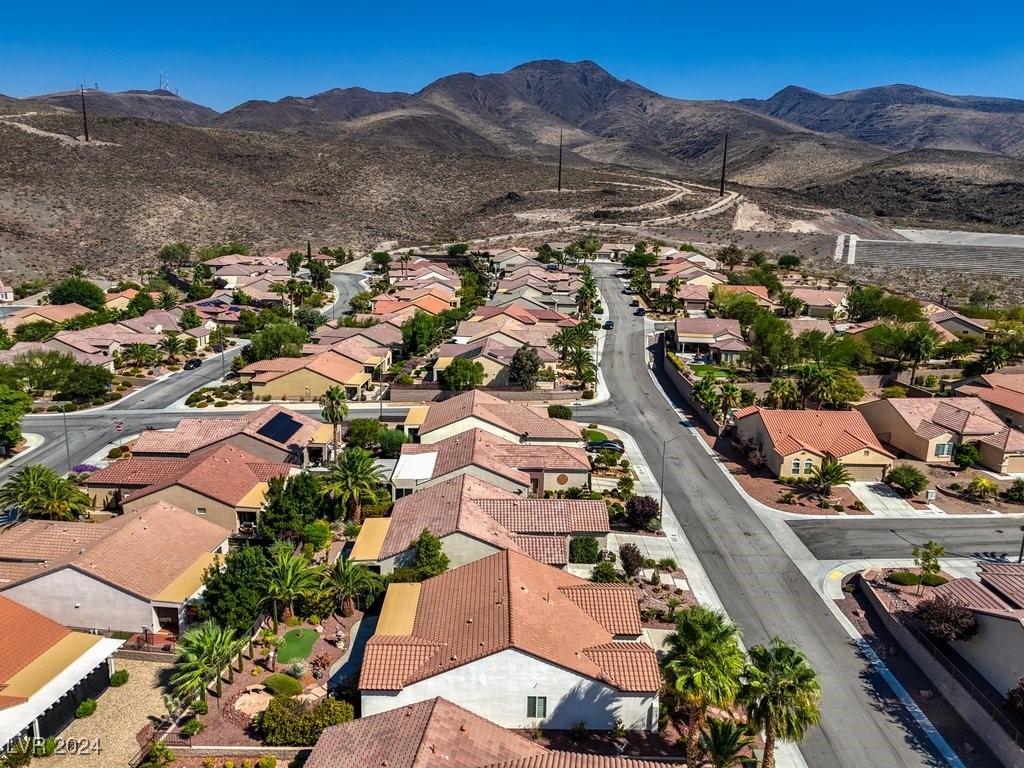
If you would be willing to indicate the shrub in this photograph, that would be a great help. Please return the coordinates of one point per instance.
(293, 621)
(403, 379)
(200, 707)
(114, 453)
(559, 411)
(203, 404)
(86, 708)
(966, 454)
(947, 619)
(667, 564)
(631, 558)
(859, 506)
(119, 678)
(933, 580)
(297, 670)
(893, 392)
(47, 748)
(282, 685)
(193, 727)
(579, 730)
(1016, 491)
(956, 486)
(290, 722)
(221, 404)
(904, 578)
(605, 573)
(588, 394)
(391, 442)
(317, 534)
(641, 512)
(787, 498)
(909, 478)
(584, 549)
(982, 488)
(267, 761)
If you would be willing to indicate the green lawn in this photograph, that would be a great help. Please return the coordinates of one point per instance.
(297, 645)
(593, 436)
(701, 369)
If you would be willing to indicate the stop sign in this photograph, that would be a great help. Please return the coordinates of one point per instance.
(119, 428)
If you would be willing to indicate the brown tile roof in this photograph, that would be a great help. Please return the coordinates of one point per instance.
(191, 435)
(800, 325)
(25, 636)
(577, 760)
(832, 433)
(428, 734)
(553, 550)
(611, 606)
(814, 297)
(1006, 580)
(967, 416)
(973, 594)
(512, 417)
(505, 601)
(29, 546)
(223, 473)
(329, 364)
(534, 335)
(706, 326)
(55, 313)
(996, 395)
(758, 291)
(141, 552)
(547, 515)
(381, 334)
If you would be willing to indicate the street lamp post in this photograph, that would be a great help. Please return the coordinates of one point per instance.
(1020, 555)
(67, 441)
(661, 482)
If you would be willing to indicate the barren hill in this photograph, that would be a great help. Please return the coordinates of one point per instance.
(153, 105)
(335, 105)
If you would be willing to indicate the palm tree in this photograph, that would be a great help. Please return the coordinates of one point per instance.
(347, 581)
(995, 357)
(724, 743)
(354, 475)
(703, 664)
(335, 411)
(781, 394)
(791, 306)
(171, 346)
(729, 397)
(817, 383)
(289, 577)
(203, 651)
(138, 353)
(39, 492)
(582, 364)
(781, 694)
(920, 345)
(829, 473)
(562, 341)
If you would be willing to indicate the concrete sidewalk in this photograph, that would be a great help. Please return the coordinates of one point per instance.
(883, 501)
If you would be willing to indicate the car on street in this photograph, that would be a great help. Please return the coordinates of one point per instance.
(635, 303)
(608, 325)
(627, 291)
(605, 445)
(640, 312)
(192, 364)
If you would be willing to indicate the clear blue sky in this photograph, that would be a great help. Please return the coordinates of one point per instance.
(222, 53)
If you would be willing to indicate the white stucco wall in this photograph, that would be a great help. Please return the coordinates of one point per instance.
(496, 687)
(575, 479)
(997, 651)
(101, 606)
(461, 550)
(464, 425)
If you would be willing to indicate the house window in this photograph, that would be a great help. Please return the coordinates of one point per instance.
(200, 510)
(795, 468)
(944, 449)
(808, 466)
(536, 706)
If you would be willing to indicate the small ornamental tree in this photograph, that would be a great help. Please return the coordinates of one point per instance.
(428, 557)
(966, 454)
(363, 433)
(926, 558)
(631, 559)
(605, 572)
(947, 619)
(641, 512)
(910, 479)
(525, 367)
(559, 411)
(462, 375)
(584, 549)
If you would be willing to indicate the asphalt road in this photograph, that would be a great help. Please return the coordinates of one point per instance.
(762, 590)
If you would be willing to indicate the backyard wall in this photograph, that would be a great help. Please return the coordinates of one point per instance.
(427, 394)
(685, 388)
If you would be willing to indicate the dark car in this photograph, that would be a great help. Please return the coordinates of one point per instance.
(608, 325)
(640, 312)
(635, 303)
(192, 364)
(605, 445)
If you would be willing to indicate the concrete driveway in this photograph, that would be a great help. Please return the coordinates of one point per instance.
(881, 500)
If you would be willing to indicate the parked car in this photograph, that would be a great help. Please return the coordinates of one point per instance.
(605, 445)
(552, 267)
(640, 312)
(627, 291)
(608, 325)
(192, 364)
(635, 303)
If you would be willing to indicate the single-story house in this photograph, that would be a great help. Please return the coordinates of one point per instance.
(274, 434)
(798, 325)
(305, 378)
(85, 358)
(823, 303)
(930, 428)
(515, 422)
(524, 315)
(223, 484)
(373, 359)
(6, 293)
(614, 250)
(520, 643)
(50, 313)
(961, 325)
(474, 519)
(138, 570)
(710, 339)
(107, 340)
(1002, 392)
(495, 357)
(513, 466)
(380, 335)
(793, 443)
(759, 292)
(47, 671)
(509, 332)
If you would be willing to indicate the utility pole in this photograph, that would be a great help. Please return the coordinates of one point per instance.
(85, 120)
(725, 154)
(309, 250)
(559, 159)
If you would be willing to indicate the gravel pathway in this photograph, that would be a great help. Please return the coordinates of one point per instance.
(121, 713)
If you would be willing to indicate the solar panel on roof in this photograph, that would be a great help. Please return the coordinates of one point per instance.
(280, 428)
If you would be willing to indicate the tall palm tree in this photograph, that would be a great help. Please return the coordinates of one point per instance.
(582, 364)
(354, 475)
(171, 346)
(347, 581)
(138, 353)
(724, 743)
(203, 652)
(289, 577)
(562, 341)
(335, 411)
(791, 306)
(829, 473)
(703, 664)
(39, 492)
(817, 383)
(729, 396)
(994, 358)
(782, 694)
(781, 394)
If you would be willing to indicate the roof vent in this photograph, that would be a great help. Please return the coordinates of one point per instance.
(453, 658)
(462, 727)
(469, 621)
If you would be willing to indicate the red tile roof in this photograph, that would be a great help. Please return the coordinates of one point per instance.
(577, 760)
(996, 395)
(510, 601)
(814, 297)
(24, 636)
(831, 433)
(515, 418)
(429, 734)
(967, 416)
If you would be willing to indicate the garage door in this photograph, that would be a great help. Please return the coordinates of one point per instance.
(1014, 464)
(865, 472)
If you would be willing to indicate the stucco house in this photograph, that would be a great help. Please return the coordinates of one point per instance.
(930, 428)
(518, 642)
(961, 325)
(306, 378)
(823, 303)
(474, 519)
(380, 335)
(223, 484)
(793, 443)
(759, 292)
(138, 570)
(524, 315)
(522, 469)
(477, 409)
(1002, 392)
(46, 671)
(50, 313)
(710, 339)
(496, 359)
(511, 333)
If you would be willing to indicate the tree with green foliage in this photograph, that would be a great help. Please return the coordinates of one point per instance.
(189, 319)
(703, 664)
(772, 346)
(347, 581)
(291, 504)
(781, 694)
(38, 492)
(198, 290)
(319, 275)
(334, 402)
(140, 304)
(138, 354)
(994, 357)
(782, 393)
(419, 333)
(248, 323)
(428, 558)
(37, 330)
(360, 302)
(462, 374)
(174, 255)
(829, 473)
(725, 743)
(525, 367)
(289, 577)
(75, 290)
(966, 454)
(41, 370)
(13, 407)
(789, 261)
(927, 556)
(294, 262)
(232, 597)
(85, 383)
(391, 442)
(732, 256)
(172, 345)
(289, 721)
(381, 261)
(642, 512)
(738, 306)
(364, 433)
(862, 303)
(308, 319)
(353, 477)
(605, 572)
(908, 478)
(276, 340)
(202, 653)
(317, 534)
